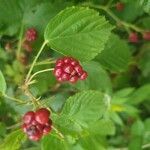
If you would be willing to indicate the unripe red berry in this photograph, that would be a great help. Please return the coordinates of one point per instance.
(146, 36)
(120, 6)
(133, 37)
(28, 117)
(42, 115)
(68, 69)
(31, 34)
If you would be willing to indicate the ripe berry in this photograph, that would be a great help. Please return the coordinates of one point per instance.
(36, 124)
(119, 6)
(68, 69)
(133, 37)
(42, 115)
(31, 34)
(28, 117)
(146, 36)
(27, 46)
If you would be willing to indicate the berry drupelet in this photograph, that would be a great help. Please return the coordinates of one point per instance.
(31, 35)
(69, 69)
(133, 37)
(36, 124)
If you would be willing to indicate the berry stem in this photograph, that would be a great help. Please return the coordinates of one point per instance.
(14, 99)
(45, 62)
(58, 132)
(34, 61)
(113, 16)
(20, 41)
(39, 72)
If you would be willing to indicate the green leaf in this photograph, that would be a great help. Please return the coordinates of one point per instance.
(52, 141)
(102, 127)
(116, 54)
(13, 141)
(140, 94)
(79, 32)
(80, 110)
(137, 132)
(92, 141)
(2, 83)
(98, 78)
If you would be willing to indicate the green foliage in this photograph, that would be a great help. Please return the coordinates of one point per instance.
(13, 141)
(110, 109)
(116, 54)
(3, 83)
(72, 32)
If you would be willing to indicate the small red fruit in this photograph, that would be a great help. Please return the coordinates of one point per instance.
(146, 36)
(31, 34)
(68, 69)
(133, 37)
(42, 115)
(35, 137)
(28, 117)
(120, 6)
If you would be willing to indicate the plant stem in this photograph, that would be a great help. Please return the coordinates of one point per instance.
(14, 126)
(58, 132)
(20, 41)
(113, 16)
(14, 99)
(45, 62)
(34, 61)
(38, 72)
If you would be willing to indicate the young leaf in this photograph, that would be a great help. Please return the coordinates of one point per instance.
(53, 142)
(116, 54)
(79, 32)
(2, 83)
(13, 141)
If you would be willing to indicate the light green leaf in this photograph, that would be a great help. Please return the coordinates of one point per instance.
(97, 79)
(13, 141)
(92, 141)
(2, 83)
(80, 110)
(79, 32)
(102, 127)
(116, 54)
(52, 142)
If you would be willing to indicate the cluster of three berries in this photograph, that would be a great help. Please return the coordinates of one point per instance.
(36, 124)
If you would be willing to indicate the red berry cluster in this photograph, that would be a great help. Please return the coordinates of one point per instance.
(120, 6)
(36, 124)
(31, 35)
(69, 69)
(134, 38)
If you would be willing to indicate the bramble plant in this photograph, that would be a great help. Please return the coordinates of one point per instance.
(74, 75)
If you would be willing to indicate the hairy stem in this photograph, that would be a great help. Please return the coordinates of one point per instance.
(58, 132)
(113, 16)
(39, 72)
(34, 61)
